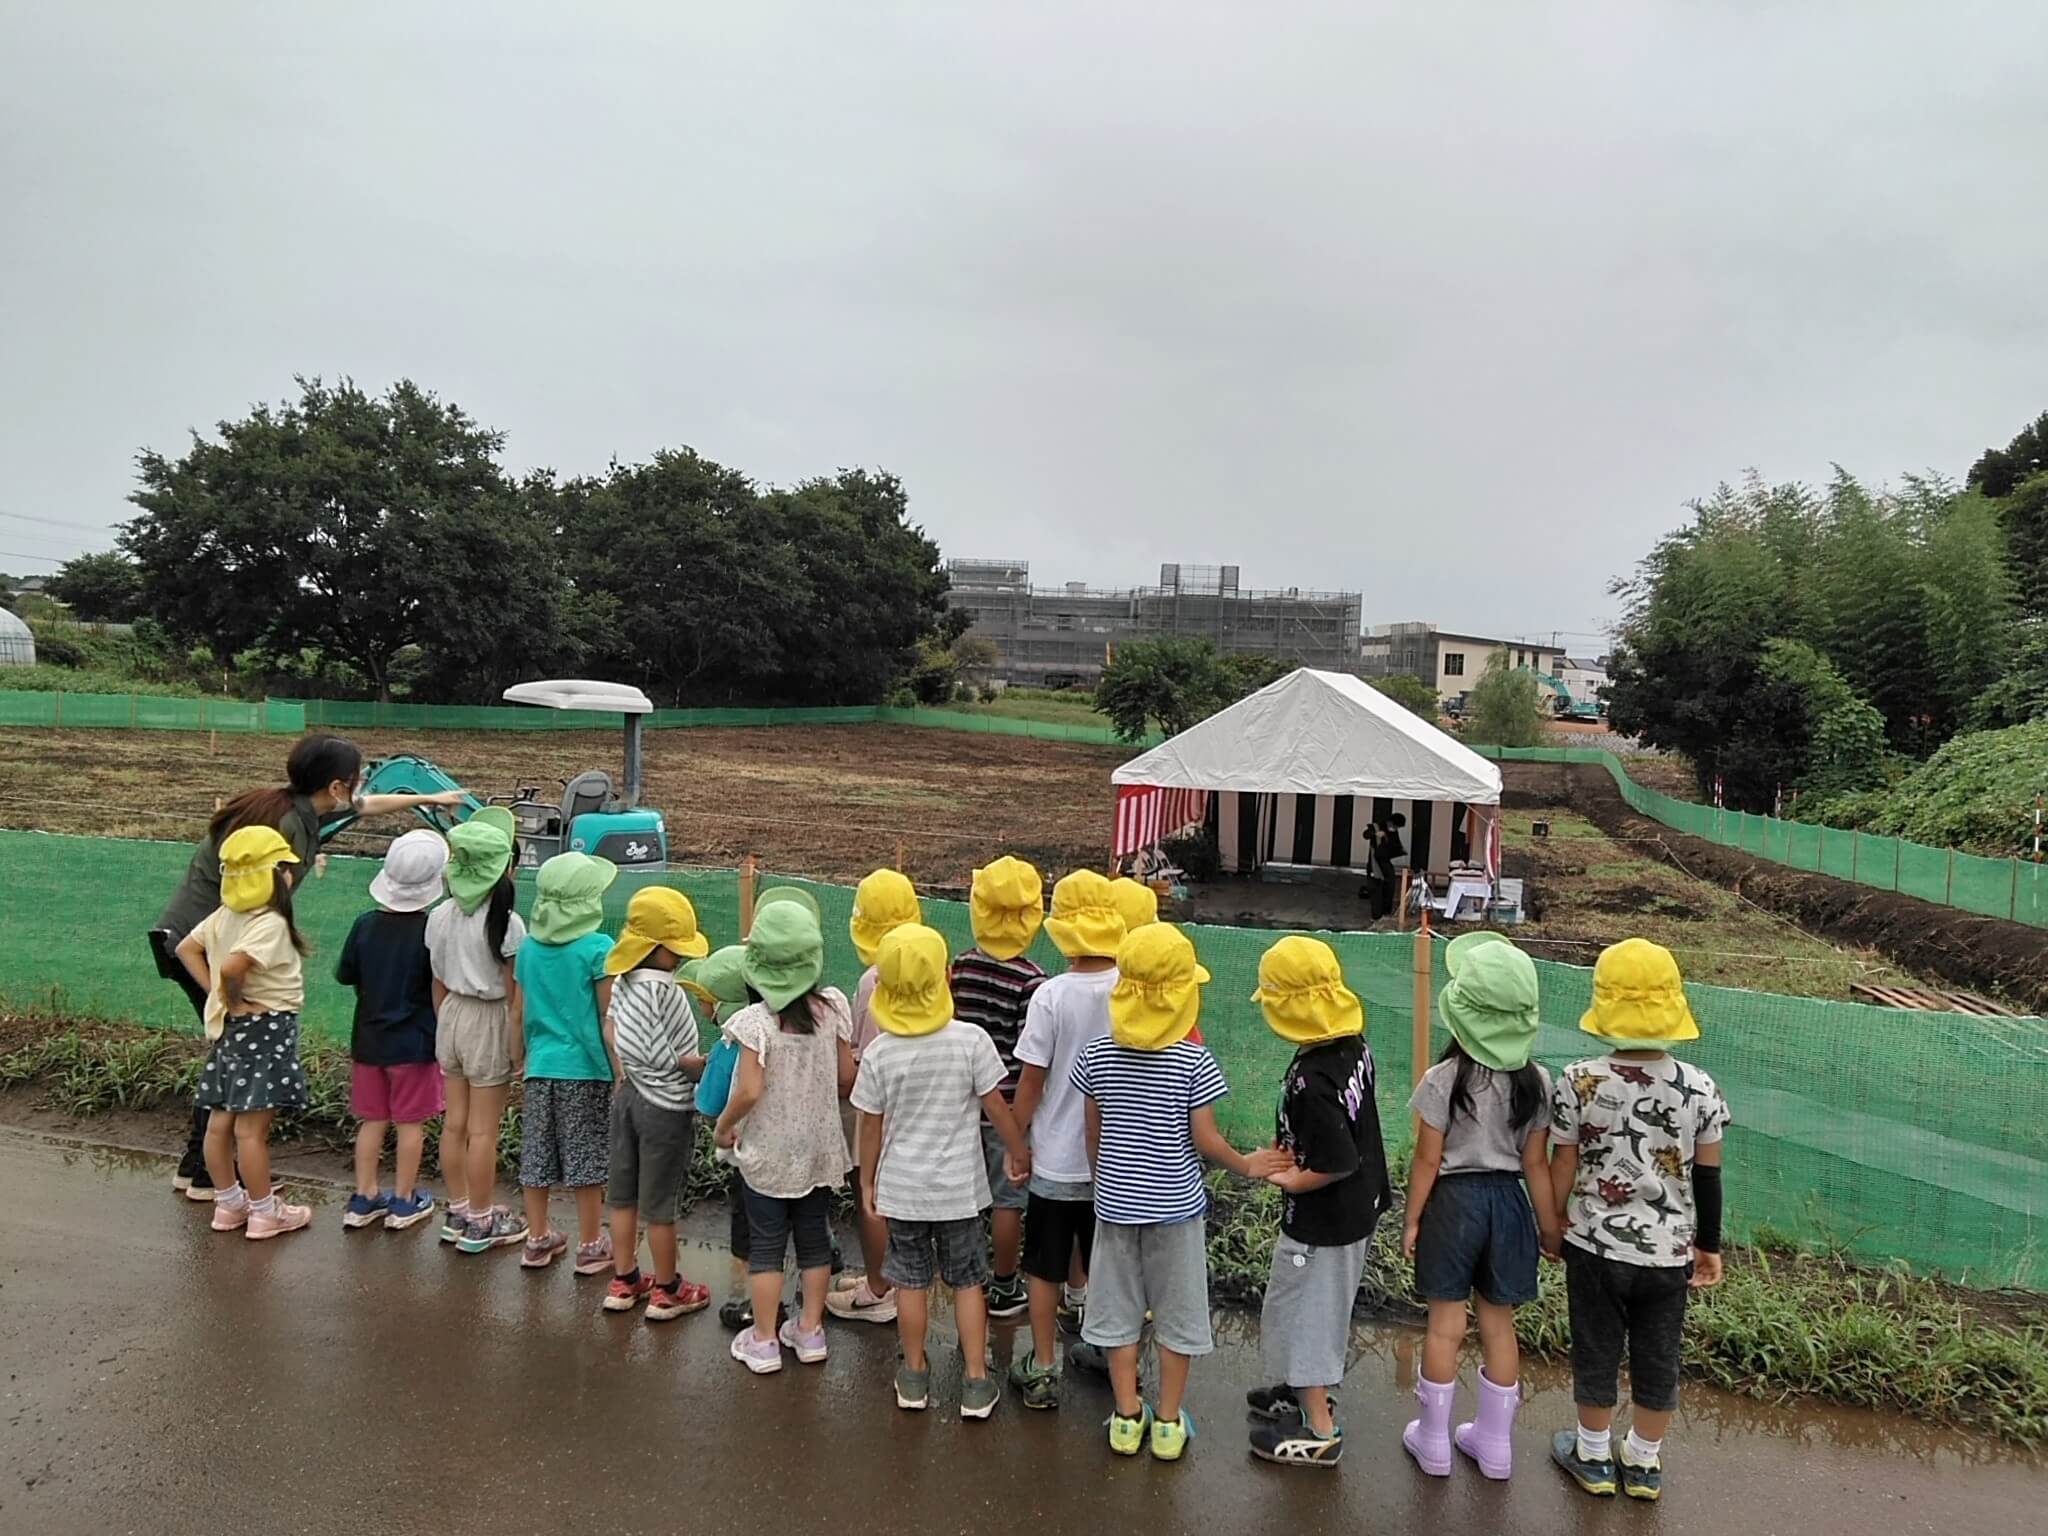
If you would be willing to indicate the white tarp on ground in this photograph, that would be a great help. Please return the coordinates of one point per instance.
(1319, 733)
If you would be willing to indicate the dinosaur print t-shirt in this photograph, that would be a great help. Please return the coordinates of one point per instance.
(1635, 1124)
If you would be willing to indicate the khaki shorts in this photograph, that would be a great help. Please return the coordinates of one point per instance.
(474, 1040)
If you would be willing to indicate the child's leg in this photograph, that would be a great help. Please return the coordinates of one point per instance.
(970, 1314)
(625, 1238)
(661, 1249)
(1123, 1379)
(453, 1146)
(913, 1311)
(1446, 1333)
(1173, 1382)
(1655, 1304)
(1007, 1230)
(1599, 1333)
(811, 1226)
(540, 1158)
(369, 1154)
(1176, 1279)
(219, 1148)
(1315, 1409)
(536, 1211)
(874, 1241)
(412, 1148)
(480, 1159)
(1045, 1312)
(590, 1213)
(252, 1150)
(1497, 1343)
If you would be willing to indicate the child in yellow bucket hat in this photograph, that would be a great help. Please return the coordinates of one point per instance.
(1151, 1094)
(924, 1085)
(992, 986)
(651, 1031)
(1637, 1173)
(247, 959)
(1472, 1230)
(1328, 1158)
(1066, 1012)
(883, 902)
(1137, 901)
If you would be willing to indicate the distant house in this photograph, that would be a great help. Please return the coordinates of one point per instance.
(1449, 662)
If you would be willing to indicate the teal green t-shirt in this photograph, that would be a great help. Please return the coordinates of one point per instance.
(564, 1036)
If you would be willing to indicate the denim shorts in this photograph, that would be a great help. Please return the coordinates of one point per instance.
(1478, 1233)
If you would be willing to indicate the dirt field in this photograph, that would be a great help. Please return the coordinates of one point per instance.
(832, 802)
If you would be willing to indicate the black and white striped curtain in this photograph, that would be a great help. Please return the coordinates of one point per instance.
(1332, 830)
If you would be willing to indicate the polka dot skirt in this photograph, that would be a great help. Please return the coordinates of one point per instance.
(255, 1065)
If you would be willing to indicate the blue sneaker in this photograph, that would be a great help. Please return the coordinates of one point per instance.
(406, 1213)
(366, 1210)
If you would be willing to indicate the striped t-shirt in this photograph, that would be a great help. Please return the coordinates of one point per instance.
(928, 1089)
(995, 994)
(1146, 1165)
(652, 1026)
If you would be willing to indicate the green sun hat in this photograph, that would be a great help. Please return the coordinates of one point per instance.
(785, 953)
(569, 902)
(479, 853)
(495, 816)
(719, 978)
(1490, 1004)
(795, 893)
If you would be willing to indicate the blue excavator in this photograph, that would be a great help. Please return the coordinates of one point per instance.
(591, 817)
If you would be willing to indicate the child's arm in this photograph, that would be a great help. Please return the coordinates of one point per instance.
(192, 955)
(515, 1019)
(1706, 1194)
(1536, 1170)
(849, 1069)
(1564, 1173)
(747, 1082)
(1094, 1133)
(1030, 1094)
(611, 1047)
(1429, 1159)
(440, 995)
(1209, 1141)
(1296, 1181)
(1016, 1149)
(870, 1161)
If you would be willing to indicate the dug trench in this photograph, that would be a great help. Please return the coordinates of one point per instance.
(1981, 954)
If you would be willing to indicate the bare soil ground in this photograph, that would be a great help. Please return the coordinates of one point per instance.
(830, 802)
(2001, 959)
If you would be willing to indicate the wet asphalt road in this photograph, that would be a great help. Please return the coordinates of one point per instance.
(161, 1379)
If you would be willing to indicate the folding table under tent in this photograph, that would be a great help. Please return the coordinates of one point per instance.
(1298, 772)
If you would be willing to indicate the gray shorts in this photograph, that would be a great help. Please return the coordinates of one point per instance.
(1161, 1267)
(473, 1040)
(1003, 1195)
(651, 1149)
(919, 1251)
(1305, 1329)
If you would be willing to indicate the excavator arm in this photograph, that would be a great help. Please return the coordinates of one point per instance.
(408, 776)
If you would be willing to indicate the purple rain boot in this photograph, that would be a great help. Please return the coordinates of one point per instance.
(1489, 1440)
(1428, 1438)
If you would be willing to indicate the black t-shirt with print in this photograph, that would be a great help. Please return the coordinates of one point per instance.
(1329, 1120)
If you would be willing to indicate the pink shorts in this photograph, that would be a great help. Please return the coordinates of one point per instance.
(407, 1094)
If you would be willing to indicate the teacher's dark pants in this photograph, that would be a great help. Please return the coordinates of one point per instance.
(164, 948)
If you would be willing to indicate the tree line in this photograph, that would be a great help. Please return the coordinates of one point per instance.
(1790, 639)
(376, 544)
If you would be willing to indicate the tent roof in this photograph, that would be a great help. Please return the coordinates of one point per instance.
(1319, 733)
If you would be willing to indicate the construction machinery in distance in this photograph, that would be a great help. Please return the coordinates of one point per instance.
(591, 816)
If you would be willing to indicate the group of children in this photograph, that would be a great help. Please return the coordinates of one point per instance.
(1078, 1110)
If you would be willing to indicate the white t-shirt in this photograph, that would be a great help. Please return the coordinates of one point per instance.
(1067, 1011)
(928, 1089)
(790, 1142)
(459, 947)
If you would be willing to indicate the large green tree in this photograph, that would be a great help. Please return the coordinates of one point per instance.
(100, 588)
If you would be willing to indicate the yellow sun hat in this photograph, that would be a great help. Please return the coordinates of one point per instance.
(1085, 921)
(913, 995)
(248, 863)
(1007, 906)
(1138, 902)
(1302, 993)
(656, 918)
(884, 900)
(1639, 998)
(1158, 993)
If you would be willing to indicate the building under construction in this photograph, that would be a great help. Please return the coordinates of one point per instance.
(1061, 637)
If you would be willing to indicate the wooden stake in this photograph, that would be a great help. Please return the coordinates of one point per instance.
(1424, 960)
(1401, 906)
(746, 896)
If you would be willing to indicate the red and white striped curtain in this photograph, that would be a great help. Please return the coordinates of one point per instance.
(1148, 814)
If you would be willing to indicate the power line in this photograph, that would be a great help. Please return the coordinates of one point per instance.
(52, 522)
(15, 554)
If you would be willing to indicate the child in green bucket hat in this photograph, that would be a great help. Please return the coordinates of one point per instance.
(1472, 1230)
(781, 1123)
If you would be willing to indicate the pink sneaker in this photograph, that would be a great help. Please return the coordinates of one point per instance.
(594, 1258)
(759, 1355)
(540, 1251)
(230, 1218)
(281, 1218)
(809, 1347)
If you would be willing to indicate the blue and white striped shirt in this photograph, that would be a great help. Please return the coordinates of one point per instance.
(1146, 1166)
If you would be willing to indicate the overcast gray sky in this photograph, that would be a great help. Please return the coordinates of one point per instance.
(1454, 303)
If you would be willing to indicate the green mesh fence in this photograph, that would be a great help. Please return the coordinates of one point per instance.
(1898, 1135)
(2007, 888)
(128, 711)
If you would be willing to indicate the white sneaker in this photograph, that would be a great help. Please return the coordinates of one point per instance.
(862, 1305)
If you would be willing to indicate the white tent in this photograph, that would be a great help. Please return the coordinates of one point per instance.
(1302, 769)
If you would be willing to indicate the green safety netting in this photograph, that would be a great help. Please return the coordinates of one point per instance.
(1900, 1135)
(127, 711)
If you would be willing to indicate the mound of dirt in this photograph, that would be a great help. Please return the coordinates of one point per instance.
(1982, 954)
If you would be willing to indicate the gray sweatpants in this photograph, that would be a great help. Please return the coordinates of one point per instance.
(1161, 1267)
(1305, 1329)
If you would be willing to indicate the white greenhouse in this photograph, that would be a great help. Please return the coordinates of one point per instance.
(17, 644)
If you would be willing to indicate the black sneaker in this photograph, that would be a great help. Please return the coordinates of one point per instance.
(737, 1312)
(1088, 1357)
(1639, 1480)
(1277, 1403)
(1596, 1477)
(1296, 1445)
(1008, 1297)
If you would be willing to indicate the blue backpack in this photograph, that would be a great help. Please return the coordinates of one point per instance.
(715, 1086)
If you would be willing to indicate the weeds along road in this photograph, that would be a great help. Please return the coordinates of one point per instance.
(161, 1378)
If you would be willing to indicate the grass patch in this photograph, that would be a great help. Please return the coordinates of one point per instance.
(1038, 704)
(1786, 1321)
